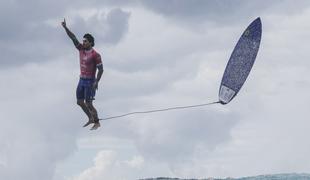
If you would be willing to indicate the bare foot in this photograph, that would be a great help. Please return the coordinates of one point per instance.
(90, 121)
(96, 126)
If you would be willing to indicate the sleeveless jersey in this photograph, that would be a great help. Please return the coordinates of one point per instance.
(89, 61)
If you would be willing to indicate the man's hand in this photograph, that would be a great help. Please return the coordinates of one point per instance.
(64, 23)
(95, 85)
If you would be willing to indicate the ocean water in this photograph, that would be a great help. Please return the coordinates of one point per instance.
(261, 177)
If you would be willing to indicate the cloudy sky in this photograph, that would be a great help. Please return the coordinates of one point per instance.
(156, 54)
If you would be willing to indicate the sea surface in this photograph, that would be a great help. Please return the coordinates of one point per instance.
(261, 177)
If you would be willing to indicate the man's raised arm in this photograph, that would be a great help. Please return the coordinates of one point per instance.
(70, 34)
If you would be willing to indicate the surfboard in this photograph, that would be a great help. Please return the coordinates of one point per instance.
(240, 62)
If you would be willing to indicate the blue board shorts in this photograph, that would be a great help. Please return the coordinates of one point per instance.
(85, 90)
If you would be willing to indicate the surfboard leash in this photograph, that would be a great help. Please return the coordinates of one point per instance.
(158, 110)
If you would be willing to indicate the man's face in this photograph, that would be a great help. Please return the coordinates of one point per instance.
(86, 43)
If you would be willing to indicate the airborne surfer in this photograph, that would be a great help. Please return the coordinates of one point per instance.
(90, 61)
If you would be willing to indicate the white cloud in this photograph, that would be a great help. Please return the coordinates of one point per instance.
(135, 162)
(102, 163)
(107, 165)
(36, 132)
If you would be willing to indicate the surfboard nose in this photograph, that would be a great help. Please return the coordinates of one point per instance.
(254, 30)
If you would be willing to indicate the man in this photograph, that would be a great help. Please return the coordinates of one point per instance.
(90, 61)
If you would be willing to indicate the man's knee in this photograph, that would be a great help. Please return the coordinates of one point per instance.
(80, 102)
(89, 105)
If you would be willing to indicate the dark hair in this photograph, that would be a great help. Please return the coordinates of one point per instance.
(90, 38)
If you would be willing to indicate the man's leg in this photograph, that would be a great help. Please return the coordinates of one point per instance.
(86, 110)
(94, 114)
